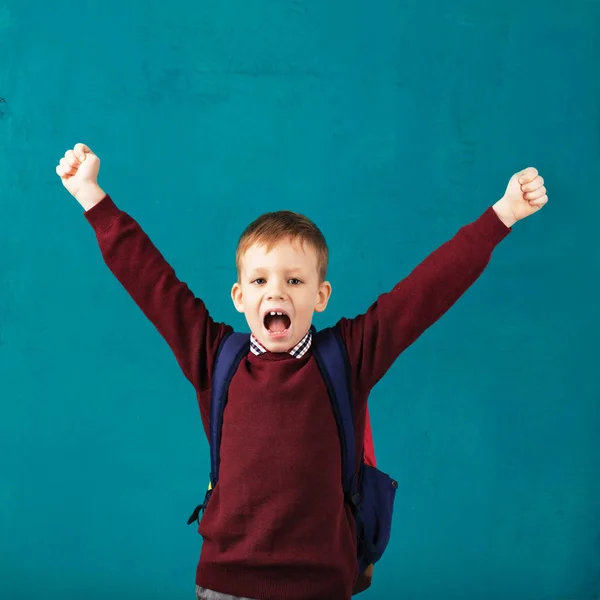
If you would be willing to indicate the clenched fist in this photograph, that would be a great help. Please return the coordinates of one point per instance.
(78, 171)
(525, 195)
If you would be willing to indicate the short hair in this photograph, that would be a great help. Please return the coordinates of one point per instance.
(273, 227)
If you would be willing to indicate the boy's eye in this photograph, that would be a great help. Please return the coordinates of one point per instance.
(262, 281)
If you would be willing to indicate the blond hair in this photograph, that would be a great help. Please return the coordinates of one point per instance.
(274, 227)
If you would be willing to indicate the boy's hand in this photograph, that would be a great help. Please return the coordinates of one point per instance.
(524, 196)
(78, 171)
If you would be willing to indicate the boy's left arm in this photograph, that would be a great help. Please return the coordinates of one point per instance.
(375, 339)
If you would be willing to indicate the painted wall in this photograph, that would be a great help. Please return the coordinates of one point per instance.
(390, 126)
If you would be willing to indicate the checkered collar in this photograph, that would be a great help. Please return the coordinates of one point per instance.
(299, 350)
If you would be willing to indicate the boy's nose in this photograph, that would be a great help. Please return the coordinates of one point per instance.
(275, 292)
(275, 295)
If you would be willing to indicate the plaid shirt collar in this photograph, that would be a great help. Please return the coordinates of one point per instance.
(299, 350)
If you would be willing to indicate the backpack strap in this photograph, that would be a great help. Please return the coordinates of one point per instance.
(331, 356)
(230, 353)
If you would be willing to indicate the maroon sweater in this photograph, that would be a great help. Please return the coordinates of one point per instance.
(276, 527)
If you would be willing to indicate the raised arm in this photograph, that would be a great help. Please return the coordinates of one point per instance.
(167, 302)
(375, 339)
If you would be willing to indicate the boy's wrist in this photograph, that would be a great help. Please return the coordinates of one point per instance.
(504, 213)
(90, 195)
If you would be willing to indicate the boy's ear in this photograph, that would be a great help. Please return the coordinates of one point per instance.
(236, 296)
(323, 296)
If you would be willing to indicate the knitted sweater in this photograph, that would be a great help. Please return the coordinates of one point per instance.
(276, 526)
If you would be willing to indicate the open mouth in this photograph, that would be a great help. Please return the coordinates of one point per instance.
(277, 323)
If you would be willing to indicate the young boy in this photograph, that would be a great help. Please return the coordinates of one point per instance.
(277, 526)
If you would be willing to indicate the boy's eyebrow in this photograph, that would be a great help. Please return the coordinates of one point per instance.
(260, 270)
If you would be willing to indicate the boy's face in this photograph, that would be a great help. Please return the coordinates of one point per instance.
(284, 280)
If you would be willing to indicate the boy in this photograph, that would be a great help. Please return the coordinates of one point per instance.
(277, 526)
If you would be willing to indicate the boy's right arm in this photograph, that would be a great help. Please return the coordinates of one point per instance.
(167, 302)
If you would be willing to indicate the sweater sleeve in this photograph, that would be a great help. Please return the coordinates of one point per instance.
(376, 338)
(180, 318)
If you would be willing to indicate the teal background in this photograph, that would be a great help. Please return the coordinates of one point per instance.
(391, 124)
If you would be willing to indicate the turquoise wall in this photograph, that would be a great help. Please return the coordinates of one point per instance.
(390, 126)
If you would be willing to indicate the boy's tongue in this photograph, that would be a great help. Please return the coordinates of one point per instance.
(277, 323)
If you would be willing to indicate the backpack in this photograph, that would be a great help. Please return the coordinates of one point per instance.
(369, 492)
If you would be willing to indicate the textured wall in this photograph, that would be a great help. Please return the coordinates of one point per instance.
(391, 126)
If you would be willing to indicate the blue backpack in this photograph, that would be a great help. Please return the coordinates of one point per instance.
(370, 492)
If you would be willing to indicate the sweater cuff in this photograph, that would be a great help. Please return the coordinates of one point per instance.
(102, 215)
(491, 227)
